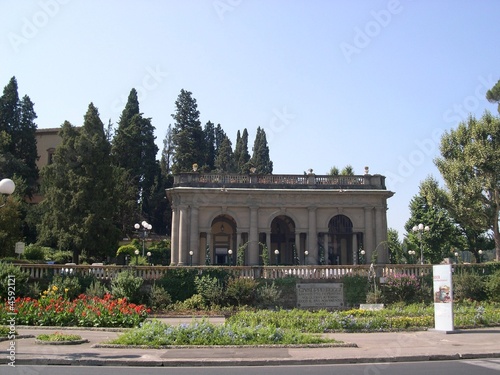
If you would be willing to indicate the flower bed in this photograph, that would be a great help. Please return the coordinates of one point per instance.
(81, 312)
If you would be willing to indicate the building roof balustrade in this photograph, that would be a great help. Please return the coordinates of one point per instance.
(271, 181)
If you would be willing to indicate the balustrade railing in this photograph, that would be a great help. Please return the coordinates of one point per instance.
(194, 179)
(109, 272)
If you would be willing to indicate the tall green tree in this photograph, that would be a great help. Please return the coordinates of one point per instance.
(260, 157)
(470, 167)
(493, 95)
(396, 254)
(210, 154)
(426, 208)
(188, 136)
(19, 153)
(134, 150)
(80, 192)
(225, 159)
(241, 154)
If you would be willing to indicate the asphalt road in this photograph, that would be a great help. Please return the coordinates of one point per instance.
(463, 367)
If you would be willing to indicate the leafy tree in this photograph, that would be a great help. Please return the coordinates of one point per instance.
(79, 192)
(210, 153)
(225, 158)
(334, 171)
(241, 155)
(134, 149)
(188, 136)
(347, 171)
(493, 95)
(443, 234)
(396, 255)
(470, 166)
(10, 223)
(18, 151)
(260, 158)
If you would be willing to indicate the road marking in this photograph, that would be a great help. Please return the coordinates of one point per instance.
(493, 364)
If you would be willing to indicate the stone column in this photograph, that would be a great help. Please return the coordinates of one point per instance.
(269, 250)
(174, 250)
(298, 247)
(354, 249)
(183, 235)
(253, 238)
(325, 247)
(312, 236)
(369, 245)
(194, 241)
(209, 243)
(380, 236)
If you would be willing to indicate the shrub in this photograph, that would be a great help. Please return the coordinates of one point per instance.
(62, 257)
(468, 286)
(66, 286)
(12, 276)
(127, 285)
(268, 295)
(493, 286)
(241, 291)
(211, 290)
(355, 289)
(159, 299)
(96, 289)
(401, 288)
(126, 250)
(179, 283)
(34, 252)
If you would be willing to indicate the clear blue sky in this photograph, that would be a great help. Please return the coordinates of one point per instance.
(365, 83)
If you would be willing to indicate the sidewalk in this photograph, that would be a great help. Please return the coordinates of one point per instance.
(370, 348)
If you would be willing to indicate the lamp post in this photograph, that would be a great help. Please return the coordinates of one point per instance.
(411, 253)
(420, 229)
(306, 253)
(362, 252)
(456, 257)
(7, 187)
(191, 257)
(136, 252)
(149, 257)
(480, 252)
(276, 255)
(230, 253)
(146, 228)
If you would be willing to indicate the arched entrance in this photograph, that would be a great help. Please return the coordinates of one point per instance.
(283, 240)
(224, 239)
(340, 241)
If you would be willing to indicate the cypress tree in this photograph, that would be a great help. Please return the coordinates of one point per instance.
(260, 158)
(209, 134)
(188, 136)
(79, 192)
(225, 159)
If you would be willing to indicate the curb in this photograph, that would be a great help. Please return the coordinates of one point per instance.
(243, 362)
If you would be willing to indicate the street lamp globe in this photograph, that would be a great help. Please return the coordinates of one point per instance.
(7, 186)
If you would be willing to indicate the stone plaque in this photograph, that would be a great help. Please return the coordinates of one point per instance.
(319, 295)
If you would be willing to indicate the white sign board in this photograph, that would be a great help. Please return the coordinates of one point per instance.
(19, 249)
(443, 297)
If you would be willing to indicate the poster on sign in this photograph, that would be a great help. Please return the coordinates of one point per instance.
(443, 297)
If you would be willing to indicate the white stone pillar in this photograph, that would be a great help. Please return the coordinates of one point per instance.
(312, 236)
(253, 238)
(183, 235)
(369, 241)
(194, 241)
(174, 245)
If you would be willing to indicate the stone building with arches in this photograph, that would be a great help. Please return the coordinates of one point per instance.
(223, 219)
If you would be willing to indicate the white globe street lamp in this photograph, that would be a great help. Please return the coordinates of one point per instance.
(146, 228)
(7, 187)
(420, 229)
